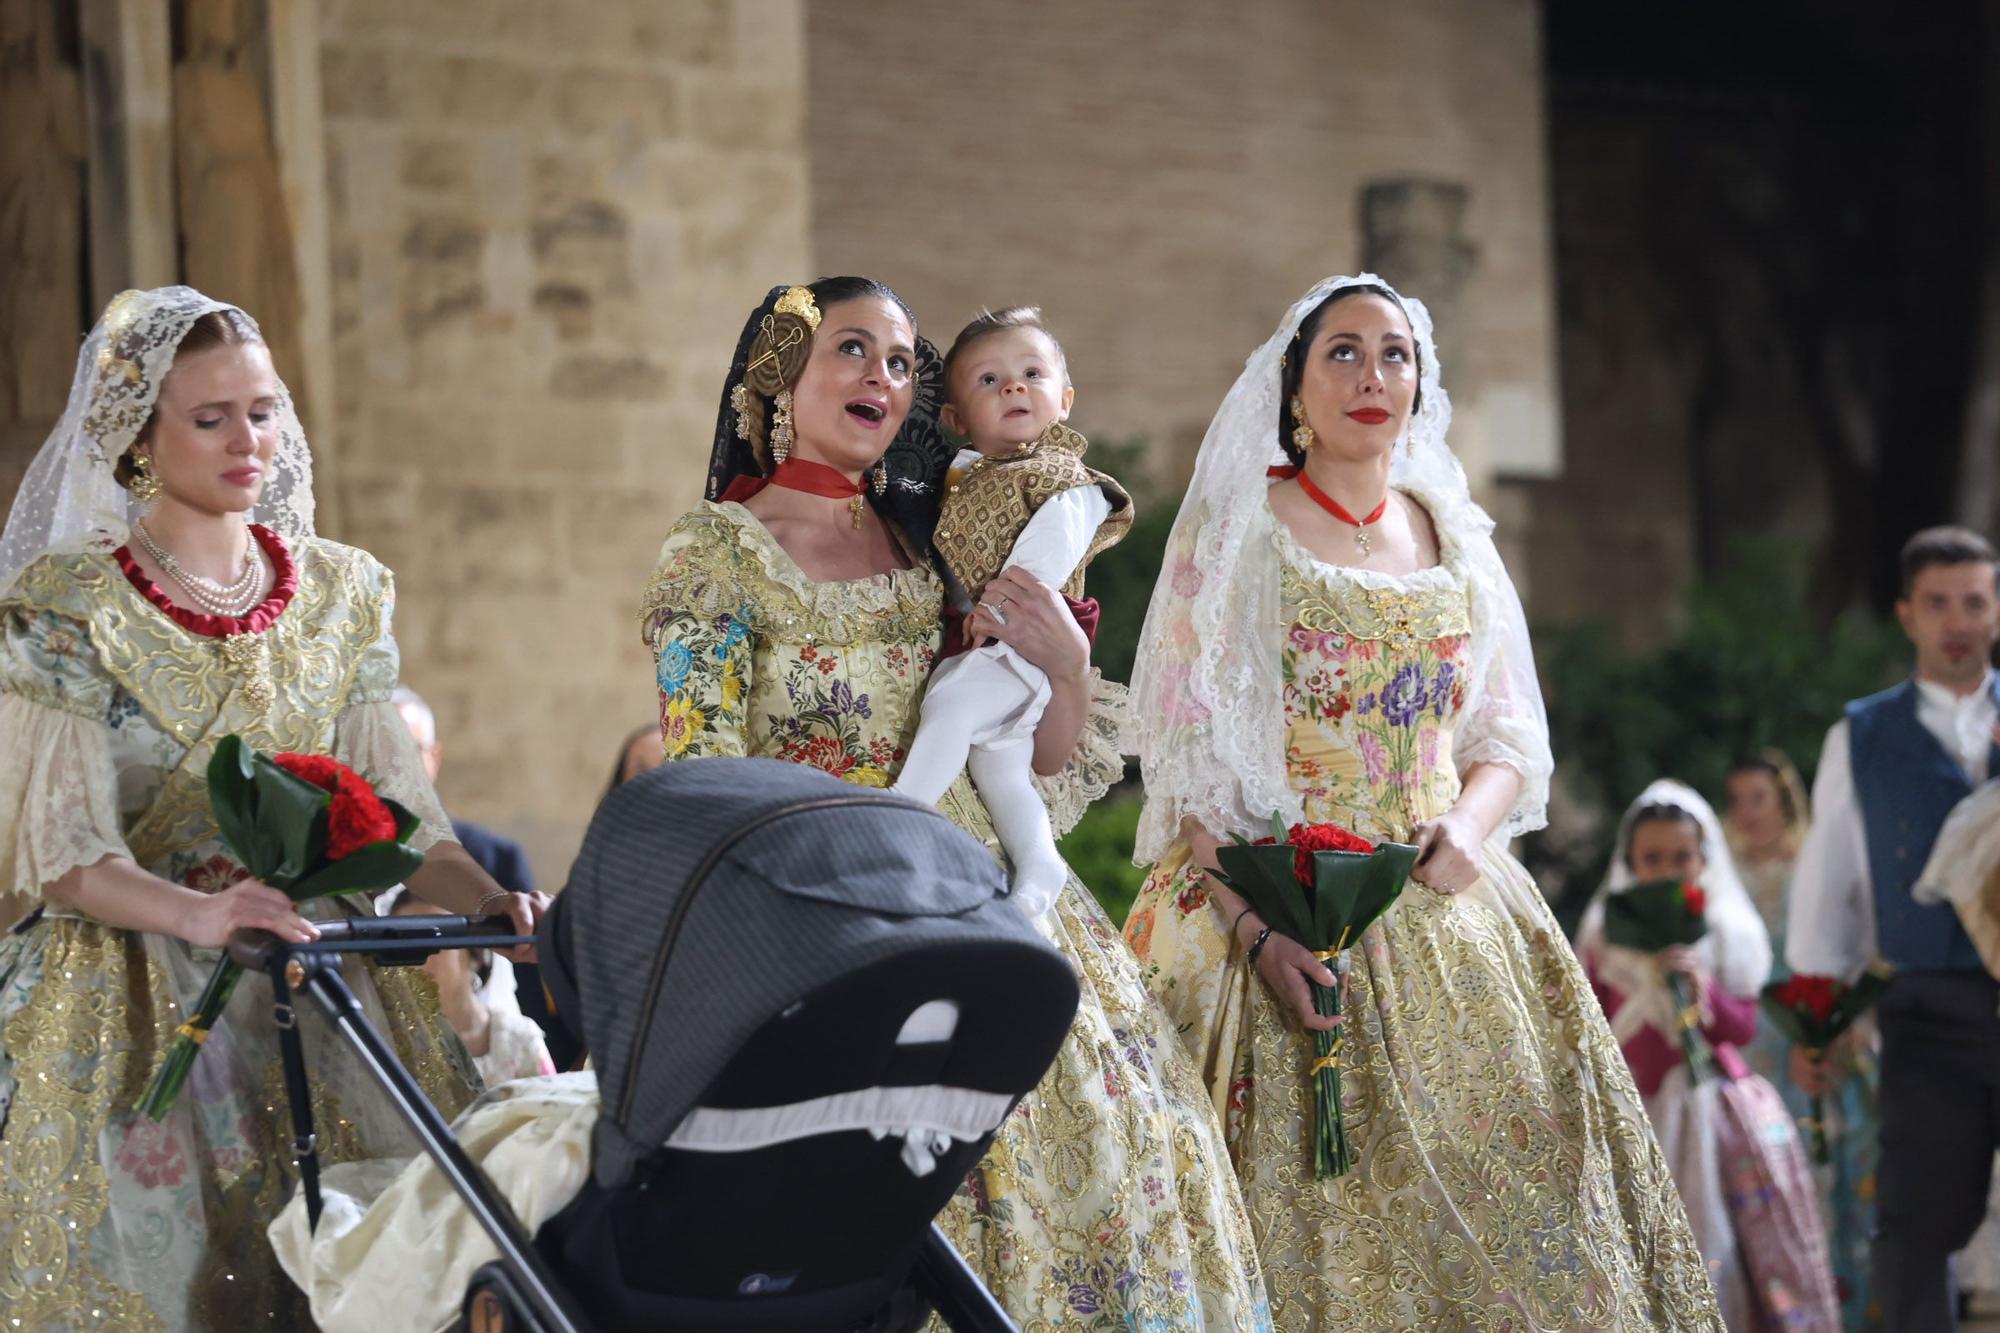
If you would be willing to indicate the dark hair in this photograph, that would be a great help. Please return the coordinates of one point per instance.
(1659, 812)
(625, 748)
(989, 322)
(1943, 546)
(217, 328)
(832, 291)
(1295, 358)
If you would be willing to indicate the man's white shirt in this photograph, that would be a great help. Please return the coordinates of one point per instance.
(1830, 926)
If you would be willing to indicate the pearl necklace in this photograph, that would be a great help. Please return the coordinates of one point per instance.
(236, 599)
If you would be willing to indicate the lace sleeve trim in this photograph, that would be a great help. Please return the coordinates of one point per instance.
(1099, 761)
(58, 799)
(371, 738)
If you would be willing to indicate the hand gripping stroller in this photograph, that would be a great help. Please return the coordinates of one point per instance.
(810, 1009)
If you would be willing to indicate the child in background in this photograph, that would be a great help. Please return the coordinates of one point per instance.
(1019, 497)
(1734, 1152)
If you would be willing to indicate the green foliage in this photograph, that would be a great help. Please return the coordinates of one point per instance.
(1099, 850)
(1750, 668)
(1122, 578)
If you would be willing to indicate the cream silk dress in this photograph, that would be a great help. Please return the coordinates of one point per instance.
(110, 710)
(1505, 1177)
(1107, 1201)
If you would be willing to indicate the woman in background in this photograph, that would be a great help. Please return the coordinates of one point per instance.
(1769, 813)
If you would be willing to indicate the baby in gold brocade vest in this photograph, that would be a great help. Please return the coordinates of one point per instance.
(1020, 497)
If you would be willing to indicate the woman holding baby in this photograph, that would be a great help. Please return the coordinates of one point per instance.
(794, 615)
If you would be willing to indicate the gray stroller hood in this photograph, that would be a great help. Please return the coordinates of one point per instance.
(711, 894)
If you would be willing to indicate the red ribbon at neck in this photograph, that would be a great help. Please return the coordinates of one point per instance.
(797, 474)
(1336, 508)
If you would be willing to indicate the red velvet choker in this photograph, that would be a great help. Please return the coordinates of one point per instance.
(799, 474)
(1341, 512)
(259, 618)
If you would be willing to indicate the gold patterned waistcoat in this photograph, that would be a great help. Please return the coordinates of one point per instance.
(985, 510)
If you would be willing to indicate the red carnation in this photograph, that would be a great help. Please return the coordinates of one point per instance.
(323, 771)
(356, 817)
(1811, 995)
(1697, 901)
(1309, 838)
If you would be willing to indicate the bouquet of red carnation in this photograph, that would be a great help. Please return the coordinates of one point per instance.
(1814, 1011)
(1656, 915)
(1322, 886)
(304, 823)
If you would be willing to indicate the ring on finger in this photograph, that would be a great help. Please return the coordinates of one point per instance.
(996, 613)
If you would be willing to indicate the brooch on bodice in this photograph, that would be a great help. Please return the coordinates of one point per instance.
(248, 658)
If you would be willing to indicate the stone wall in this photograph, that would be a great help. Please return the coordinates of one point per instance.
(1165, 179)
(545, 223)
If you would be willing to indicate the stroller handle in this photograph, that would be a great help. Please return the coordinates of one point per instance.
(409, 938)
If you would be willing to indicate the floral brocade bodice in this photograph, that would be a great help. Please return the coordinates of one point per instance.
(756, 658)
(1374, 676)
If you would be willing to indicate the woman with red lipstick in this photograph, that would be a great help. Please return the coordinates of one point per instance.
(794, 616)
(161, 588)
(1333, 639)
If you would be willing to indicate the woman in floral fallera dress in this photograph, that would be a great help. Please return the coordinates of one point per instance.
(798, 626)
(121, 666)
(1312, 654)
(1769, 812)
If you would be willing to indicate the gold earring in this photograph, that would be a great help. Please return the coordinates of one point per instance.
(781, 426)
(1302, 431)
(144, 486)
(880, 481)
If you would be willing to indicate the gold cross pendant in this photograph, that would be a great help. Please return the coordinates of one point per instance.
(1361, 540)
(855, 505)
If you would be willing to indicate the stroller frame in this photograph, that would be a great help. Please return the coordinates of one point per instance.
(525, 1294)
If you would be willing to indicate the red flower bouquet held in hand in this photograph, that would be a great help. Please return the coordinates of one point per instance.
(304, 823)
(1322, 886)
(1656, 915)
(1814, 1012)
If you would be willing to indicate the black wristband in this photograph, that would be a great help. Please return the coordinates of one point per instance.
(1257, 946)
(1238, 921)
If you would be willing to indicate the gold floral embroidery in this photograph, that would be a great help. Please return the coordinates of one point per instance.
(1401, 619)
(1506, 1176)
(1107, 1201)
(187, 683)
(53, 1189)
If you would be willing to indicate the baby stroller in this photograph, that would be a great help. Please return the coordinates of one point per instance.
(809, 1007)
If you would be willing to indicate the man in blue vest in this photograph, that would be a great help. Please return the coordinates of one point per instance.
(1891, 771)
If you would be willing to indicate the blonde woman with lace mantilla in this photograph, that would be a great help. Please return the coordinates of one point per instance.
(1344, 646)
(141, 620)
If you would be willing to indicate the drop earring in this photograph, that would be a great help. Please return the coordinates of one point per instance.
(781, 426)
(144, 486)
(1302, 431)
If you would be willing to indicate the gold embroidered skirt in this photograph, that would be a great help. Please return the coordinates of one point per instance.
(1506, 1177)
(109, 1220)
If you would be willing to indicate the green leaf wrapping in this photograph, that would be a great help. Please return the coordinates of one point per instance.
(1651, 916)
(1350, 891)
(275, 826)
(1801, 1029)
